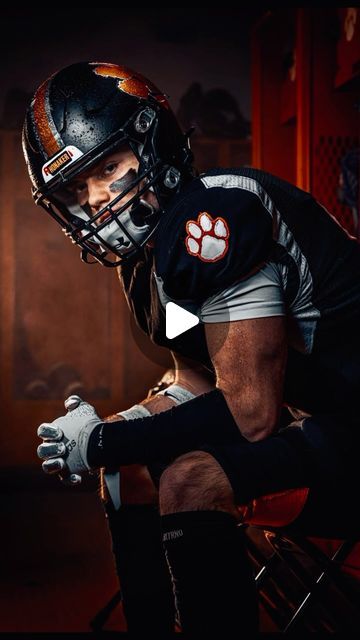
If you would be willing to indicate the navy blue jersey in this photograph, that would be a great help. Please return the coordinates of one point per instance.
(246, 240)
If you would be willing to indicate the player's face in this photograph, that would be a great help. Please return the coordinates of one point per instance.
(97, 187)
(92, 193)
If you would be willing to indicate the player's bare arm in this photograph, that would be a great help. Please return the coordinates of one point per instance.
(136, 482)
(250, 366)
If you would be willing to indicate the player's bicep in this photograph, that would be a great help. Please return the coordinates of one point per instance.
(249, 357)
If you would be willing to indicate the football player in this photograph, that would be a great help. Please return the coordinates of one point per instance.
(274, 280)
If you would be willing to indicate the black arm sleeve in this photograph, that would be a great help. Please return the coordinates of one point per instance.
(164, 436)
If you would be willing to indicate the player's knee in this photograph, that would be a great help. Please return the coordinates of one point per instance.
(195, 481)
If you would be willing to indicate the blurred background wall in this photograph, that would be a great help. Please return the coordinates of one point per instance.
(276, 89)
(65, 326)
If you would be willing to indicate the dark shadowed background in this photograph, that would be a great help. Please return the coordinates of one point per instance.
(175, 47)
(65, 327)
(277, 89)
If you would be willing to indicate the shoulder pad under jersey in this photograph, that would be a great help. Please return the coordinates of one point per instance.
(214, 234)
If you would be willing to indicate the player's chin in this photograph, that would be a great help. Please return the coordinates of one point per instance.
(113, 239)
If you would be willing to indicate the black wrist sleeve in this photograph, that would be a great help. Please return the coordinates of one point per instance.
(163, 436)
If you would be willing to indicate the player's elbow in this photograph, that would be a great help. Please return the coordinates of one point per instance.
(255, 433)
(255, 419)
(258, 427)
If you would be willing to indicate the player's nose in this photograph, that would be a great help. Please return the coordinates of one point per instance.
(98, 195)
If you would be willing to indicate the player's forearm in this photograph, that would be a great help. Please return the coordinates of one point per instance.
(187, 374)
(155, 404)
(205, 419)
(191, 380)
(158, 403)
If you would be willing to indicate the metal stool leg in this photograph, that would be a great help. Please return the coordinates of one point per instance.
(98, 621)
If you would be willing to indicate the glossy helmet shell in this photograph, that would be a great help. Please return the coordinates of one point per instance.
(82, 113)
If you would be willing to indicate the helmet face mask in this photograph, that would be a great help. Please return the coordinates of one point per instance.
(120, 227)
(86, 113)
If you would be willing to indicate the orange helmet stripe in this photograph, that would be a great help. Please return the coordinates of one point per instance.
(113, 71)
(131, 82)
(45, 129)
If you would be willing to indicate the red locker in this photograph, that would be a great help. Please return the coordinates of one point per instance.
(348, 46)
(305, 121)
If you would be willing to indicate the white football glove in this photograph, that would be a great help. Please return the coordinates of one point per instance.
(65, 440)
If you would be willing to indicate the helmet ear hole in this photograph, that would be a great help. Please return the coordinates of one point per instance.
(144, 120)
(172, 178)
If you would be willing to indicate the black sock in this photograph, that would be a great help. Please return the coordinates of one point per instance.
(214, 587)
(145, 582)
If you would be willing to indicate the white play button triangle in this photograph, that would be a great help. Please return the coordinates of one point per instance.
(178, 320)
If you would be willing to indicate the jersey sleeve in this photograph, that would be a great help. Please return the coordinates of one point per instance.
(259, 296)
(210, 239)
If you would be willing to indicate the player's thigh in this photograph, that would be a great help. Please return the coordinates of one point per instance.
(313, 454)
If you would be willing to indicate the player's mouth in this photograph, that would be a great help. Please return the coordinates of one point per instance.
(105, 216)
(109, 214)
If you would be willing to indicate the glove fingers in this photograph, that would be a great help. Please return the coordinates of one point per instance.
(71, 479)
(51, 450)
(54, 465)
(48, 431)
(65, 439)
(72, 402)
(83, 409)
(77, 407)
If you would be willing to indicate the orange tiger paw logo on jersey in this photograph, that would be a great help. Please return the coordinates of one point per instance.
(207, 238)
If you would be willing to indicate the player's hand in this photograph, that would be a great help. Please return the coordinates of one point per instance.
(65, 440)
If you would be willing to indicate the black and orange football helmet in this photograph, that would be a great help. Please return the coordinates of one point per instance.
(76, 118)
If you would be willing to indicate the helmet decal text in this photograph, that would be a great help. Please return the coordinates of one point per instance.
(65, 157)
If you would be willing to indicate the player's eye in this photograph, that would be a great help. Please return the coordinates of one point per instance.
(77, 188)
(109, 168)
